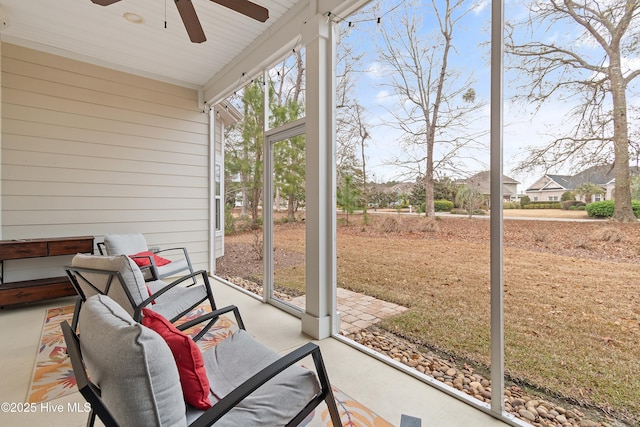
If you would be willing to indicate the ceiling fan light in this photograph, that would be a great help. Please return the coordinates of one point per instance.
(134, 18)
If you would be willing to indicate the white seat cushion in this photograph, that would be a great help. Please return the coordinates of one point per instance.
(177, 299)
(172, 268)
(235, 360)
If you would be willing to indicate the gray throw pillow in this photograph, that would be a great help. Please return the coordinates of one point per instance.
(130, 272)
(132, 365)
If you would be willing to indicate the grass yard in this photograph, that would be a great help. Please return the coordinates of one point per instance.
(572, 307)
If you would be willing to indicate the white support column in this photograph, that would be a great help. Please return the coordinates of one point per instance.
(496, 219)
(1, 144)
(213, 122)
(320, 178)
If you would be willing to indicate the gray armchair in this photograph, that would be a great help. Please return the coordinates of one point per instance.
(120, 278)
(134, 380)
(135, 246)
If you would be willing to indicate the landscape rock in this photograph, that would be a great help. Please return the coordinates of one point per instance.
(534, 410)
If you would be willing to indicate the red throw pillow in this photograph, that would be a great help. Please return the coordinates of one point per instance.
(150, 293)
(193, 376)
(142, 259)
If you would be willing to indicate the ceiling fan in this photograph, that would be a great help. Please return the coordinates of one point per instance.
(190, 18)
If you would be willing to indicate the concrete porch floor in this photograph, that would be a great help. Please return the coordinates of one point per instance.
(384, 389)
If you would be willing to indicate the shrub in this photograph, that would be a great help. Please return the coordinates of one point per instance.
(608, 234)
(243, 224)
(604, 209)
(543, 205)
(458, 211)
(524, 201)
(229, 221)
(581, 242)
(540, 237)
(567, 196)
(257, 244)
(428, 225)
(442, 205)
(581, 207)
(509, 205)
(568, 204)
(391, 224)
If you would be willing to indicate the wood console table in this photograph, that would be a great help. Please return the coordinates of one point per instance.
(23, 292)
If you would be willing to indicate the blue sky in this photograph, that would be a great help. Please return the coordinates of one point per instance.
(522, 128)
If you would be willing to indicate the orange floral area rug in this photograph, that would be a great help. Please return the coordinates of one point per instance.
(53, 376)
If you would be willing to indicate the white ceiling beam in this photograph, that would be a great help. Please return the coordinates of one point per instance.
(272, 46)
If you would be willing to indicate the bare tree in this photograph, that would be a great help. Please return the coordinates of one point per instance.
(354, 134)
(363, 136)
(352, 130)
(347, 63)
(435, 104)
(586, 67)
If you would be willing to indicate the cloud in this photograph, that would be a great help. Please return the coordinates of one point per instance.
(385, 97)
(630, 64)
(376, 71)
(479, 6)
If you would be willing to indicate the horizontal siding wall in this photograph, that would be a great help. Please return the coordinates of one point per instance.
(91, 151)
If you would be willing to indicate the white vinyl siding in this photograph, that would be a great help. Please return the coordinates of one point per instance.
(89, 151)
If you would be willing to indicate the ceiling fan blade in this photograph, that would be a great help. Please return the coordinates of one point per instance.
(247, 8)
(190, 20)
(104, 2)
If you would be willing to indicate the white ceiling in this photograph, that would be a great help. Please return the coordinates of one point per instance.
(101, 35)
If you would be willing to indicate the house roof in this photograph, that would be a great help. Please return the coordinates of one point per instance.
(80, 29)
(599, 175)
(482, 181)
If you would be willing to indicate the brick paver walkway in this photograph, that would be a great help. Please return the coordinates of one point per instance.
(358, 311)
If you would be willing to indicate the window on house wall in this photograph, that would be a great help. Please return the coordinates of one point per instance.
(218, 196)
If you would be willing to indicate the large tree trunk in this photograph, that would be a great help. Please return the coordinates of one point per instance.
(429, 208)
(291, 207)
(623, 211)
(256, 191)
(446, 29)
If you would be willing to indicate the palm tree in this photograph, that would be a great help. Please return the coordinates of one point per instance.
(587, 190)
(469, 198)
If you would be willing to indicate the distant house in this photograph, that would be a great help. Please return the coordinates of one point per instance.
(551, 187)
(482, 182)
